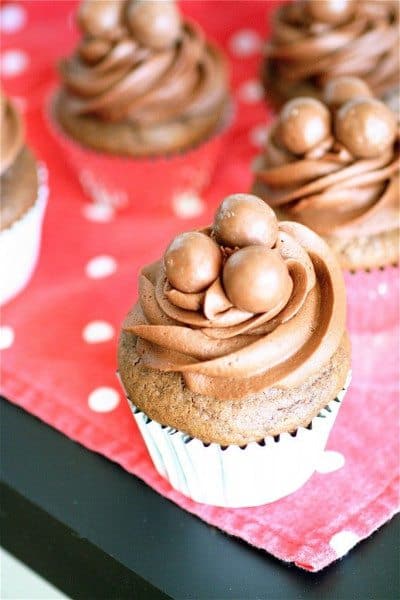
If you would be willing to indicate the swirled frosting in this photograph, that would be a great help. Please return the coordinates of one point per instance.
(225, 352)
(12, 134)
(330, 187)
(307, 50)
(139, 62)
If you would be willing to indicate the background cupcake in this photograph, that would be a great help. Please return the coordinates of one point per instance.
(236, 357)
(23, 197)
(313, 41)
(142, 85)
(334, 166)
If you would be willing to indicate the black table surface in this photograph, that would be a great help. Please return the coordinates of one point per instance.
(95, 532)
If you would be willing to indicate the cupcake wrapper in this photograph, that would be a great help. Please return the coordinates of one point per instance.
(20, 244)
(143, 183)
(373, 299)
(233, 476)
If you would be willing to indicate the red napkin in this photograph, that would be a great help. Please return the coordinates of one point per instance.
(59, 336)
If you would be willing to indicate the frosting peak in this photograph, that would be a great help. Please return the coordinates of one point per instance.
(273, 314)
(343, 180)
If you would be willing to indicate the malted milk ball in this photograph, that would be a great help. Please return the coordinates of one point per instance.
(303, 124)
(244, 220)
(192, 262)
(330, 11)
(340, 90)
(256, 279)
(154, 23)
(366, 127)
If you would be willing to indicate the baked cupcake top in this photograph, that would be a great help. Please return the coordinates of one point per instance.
(334, 165)
(18, 178)
(140, 62)
(315, 40)
(245, 305)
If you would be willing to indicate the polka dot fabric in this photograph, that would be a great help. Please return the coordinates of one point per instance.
(58, 338)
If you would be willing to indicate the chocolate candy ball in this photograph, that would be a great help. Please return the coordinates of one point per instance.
(244, 220)
(366, 127)
(192, 262)
(330, 11)
(340, 90)
(100, 18)
(156, 24)
(256, 279)
(303, 124)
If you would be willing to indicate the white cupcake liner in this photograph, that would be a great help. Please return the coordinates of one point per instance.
(238, 476)
(20, 244)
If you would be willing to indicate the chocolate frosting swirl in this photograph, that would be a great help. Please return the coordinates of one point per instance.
(365, 44)
(12, 134)
(224, 352)
(139, 62)
(330, 189)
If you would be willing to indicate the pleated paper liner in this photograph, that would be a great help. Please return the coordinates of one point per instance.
(238, 476)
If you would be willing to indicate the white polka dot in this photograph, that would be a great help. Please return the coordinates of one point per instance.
(251, 92)
(103, 399)
(330, 461)
(343, 541)
(187, 206)
(101, 266)
(98, 212)
(258, 135)
(98, 331)
(12, 18)
(382, 289)
(245, 43)
(13, 63)
(6, 337)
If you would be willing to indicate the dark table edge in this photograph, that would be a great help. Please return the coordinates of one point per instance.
(35, 538)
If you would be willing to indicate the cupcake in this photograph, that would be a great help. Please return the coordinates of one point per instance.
(142, 105)
(334, 166)
(235, 359)
(313, 41)
(23, 196)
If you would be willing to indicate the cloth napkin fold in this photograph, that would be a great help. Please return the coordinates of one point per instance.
(58, 338)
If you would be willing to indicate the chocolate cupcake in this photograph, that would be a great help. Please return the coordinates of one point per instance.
(313, 41)
(143, 83)
(236, 357)
(334, 166)
(23, 195)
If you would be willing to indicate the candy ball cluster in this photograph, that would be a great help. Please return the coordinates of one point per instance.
(365, 126)
(254, 276)
(156, 24)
